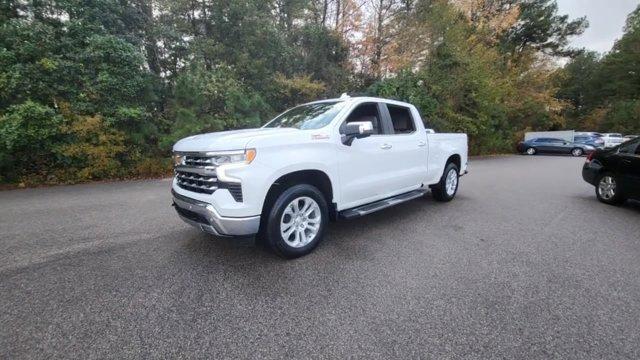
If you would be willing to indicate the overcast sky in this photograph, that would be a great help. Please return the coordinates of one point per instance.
(606, 20)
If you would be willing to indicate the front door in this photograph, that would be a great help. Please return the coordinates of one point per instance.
(364, 166)
(558, 146)
(629, 167)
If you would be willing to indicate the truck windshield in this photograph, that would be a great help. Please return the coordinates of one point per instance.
(307, 117)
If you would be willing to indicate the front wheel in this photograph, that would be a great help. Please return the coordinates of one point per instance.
(607, 189)
(531, 151)
(577, 152)
(447, 188)
(296, 222)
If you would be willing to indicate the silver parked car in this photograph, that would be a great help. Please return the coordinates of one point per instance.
(557, 146)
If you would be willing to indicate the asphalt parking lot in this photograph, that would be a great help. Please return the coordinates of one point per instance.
(524, 263)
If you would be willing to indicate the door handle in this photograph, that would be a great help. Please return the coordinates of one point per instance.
(422, 143)
(385, 146)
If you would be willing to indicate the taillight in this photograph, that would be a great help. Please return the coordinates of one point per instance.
(590, 156)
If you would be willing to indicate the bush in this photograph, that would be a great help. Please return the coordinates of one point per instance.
(29, 135)
(92, 151)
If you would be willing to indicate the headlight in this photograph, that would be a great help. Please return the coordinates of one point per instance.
(221, 157)
(178, 159)
(234, 157)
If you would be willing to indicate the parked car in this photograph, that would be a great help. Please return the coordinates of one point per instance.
(615, 173)
(629, 137)
(551, 145)
(589, 133)
(612, 139)
(594, 140)
(331, 159)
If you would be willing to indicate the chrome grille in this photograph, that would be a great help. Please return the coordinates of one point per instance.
(197, 183)
(198, 161)
(198, 174)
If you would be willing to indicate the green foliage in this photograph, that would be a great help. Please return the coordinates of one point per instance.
(103, 89)
(539, 27)
(605, 92)
(465, 86)
(211, 100)
(292, 91)
(92, 150)
(29, 133)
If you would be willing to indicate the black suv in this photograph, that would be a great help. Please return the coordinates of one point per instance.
(615, 172)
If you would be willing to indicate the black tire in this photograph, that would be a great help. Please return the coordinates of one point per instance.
(577, 152)
(271, 234)
(439, 191)
(617, 198)
(530, 151)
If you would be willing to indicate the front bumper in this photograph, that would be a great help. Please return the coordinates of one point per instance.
(205, 217)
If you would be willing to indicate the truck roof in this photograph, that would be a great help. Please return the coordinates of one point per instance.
(360, 99)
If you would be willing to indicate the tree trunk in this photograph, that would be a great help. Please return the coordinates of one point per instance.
(325, 8)
(338, 10)
(150, 41)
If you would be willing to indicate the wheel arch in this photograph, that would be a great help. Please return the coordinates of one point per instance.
(456, 159)
(315, 177)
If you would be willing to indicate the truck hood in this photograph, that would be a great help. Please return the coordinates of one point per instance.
(227, 140)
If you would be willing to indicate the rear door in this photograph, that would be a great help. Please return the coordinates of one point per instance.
(408, 148)
(543, 145)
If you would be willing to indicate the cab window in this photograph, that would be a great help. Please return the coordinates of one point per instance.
(365, 112)
(630, 147)
(401, 119)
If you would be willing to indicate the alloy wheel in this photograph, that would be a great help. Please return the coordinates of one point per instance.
(451, 182)
(607, 187)
(300, 222)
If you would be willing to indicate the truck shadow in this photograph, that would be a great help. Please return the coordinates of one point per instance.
(249, 268)
(353, 238)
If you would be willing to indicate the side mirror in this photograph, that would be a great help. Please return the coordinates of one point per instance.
(430, 131)
(356, 130)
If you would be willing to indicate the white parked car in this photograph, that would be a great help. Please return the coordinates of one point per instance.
(330, 159)
(612, 139)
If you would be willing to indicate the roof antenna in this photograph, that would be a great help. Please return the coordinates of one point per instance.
(344, 96)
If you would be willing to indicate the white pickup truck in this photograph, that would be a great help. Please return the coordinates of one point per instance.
(325, 160)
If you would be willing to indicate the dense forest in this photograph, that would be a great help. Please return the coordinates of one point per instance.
(103, 88)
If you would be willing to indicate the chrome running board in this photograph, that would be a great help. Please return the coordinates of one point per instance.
(381, 204)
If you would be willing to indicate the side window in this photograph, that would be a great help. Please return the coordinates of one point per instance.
(365, 112)
(401, 119)
(630, 147)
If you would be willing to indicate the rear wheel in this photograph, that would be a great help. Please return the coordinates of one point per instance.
(577, 152)
(447, 188)
(296, 222)
(608, 191)
(531, 151)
